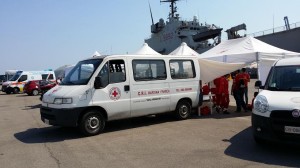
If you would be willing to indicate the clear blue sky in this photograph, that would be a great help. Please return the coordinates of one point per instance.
(42, 34)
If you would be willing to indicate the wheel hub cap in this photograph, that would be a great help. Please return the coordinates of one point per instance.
(93, 122)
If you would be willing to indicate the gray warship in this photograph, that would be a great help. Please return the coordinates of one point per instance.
(167, 36)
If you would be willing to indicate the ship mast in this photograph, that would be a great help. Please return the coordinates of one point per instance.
(172, 7)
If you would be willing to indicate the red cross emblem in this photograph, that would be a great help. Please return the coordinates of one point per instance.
(114, 93)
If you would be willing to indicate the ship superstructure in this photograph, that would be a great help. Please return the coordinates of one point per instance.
(167, 36)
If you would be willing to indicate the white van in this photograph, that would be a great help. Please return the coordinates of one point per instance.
(276, 112)
(17, 82)
(106, 88)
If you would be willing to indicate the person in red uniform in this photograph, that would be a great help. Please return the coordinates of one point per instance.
(222, 96)
(225, 94)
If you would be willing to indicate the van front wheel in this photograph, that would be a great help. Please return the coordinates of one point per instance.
(92, 123)
(183, 110)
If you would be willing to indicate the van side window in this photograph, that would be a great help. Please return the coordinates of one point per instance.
(117, 71)
(44, 76)
(149, 70)
(23, 78)
(50, 77)
(182, 69)
(112, 72)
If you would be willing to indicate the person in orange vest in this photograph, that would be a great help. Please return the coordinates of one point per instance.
(222, 94)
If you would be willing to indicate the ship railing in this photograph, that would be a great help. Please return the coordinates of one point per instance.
(274, 30)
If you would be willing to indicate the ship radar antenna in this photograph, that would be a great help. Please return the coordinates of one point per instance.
(151, 13)
(172, 7)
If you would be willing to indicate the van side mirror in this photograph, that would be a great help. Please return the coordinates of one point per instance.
(97, 83)
(258, 85)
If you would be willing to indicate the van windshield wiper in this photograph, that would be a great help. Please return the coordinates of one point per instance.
(67, 83)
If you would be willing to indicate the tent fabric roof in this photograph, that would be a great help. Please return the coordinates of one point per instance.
(210, 70)
(96, 53)
(245, 49)
(184, 49)
(146, 50)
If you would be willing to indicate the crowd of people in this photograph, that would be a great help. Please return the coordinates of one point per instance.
(239, 90)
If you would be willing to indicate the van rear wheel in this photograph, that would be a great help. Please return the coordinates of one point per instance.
(92, 123)
(183, 110)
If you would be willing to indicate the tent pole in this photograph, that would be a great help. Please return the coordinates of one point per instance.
(257, 62)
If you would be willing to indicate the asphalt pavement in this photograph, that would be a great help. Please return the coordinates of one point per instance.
(215, 140)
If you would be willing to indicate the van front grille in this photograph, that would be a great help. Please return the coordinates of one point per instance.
(282, 118)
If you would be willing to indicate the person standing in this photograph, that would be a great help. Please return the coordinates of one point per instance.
(234, 91)
(240, 83)
(246, 76)
(217, 93)
(222, 95)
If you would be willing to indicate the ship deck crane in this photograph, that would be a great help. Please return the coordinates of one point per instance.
(232, 33)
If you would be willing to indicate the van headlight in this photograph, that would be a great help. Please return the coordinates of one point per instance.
(62, 101)
(261, 104)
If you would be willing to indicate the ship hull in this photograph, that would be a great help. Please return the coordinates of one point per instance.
(288, 40)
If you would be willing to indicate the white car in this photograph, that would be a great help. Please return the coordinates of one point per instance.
(276, 110)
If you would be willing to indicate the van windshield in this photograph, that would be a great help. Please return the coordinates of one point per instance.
(16, 76)
(284, 78)
(82, 72)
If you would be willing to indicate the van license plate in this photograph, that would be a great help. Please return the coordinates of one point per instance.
(292, 130)
(46, 121)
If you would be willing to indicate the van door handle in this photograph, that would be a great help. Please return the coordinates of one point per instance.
(126, 88)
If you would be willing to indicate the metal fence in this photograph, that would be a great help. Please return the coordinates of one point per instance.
(274, 30)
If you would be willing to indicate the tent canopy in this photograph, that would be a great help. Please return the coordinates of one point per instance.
(234, 54)
(245, 50)
(96, 53)
(146, 50)
(184, 49)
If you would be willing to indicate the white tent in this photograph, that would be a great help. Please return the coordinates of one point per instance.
(146, 50)
(209, 69)
(246, 51)
(96, 53)
(184, 49)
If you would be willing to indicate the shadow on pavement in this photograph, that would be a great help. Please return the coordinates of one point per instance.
(244, 147)
(57, 134)
(32, 107)
(220, 115)
(21, 95)
(47, 134)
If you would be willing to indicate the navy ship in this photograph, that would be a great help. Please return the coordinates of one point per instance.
(167, 36)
